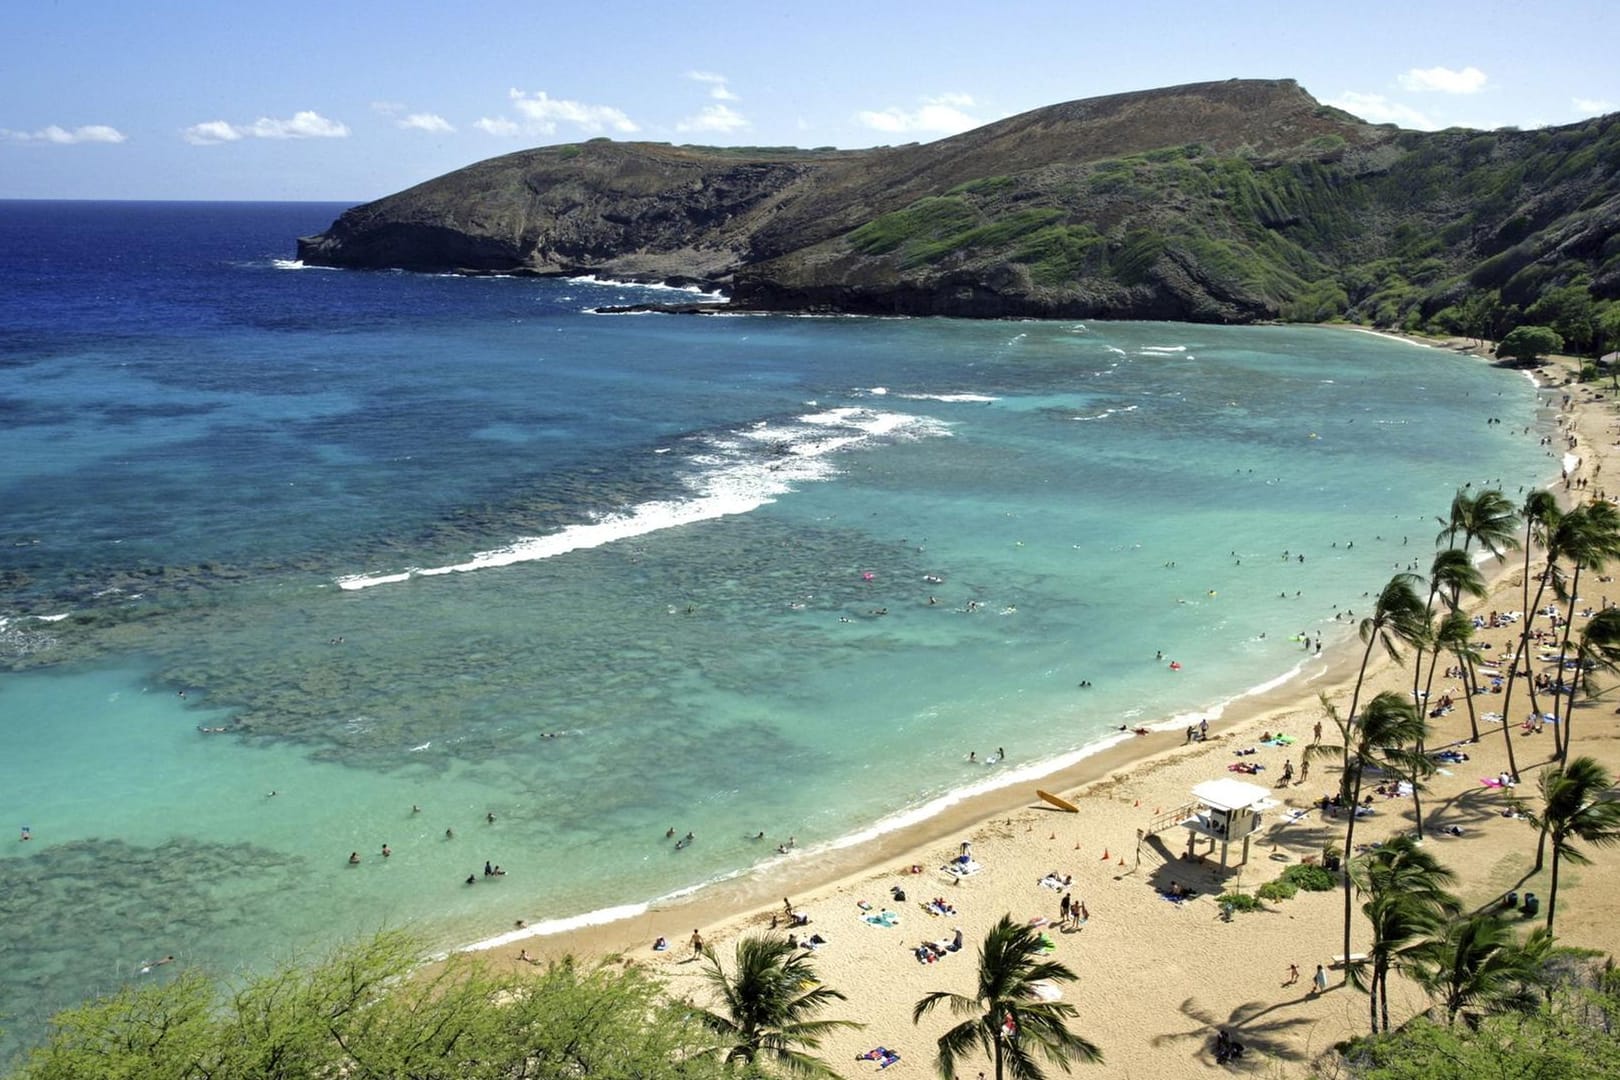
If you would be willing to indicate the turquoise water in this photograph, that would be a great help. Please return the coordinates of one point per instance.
(457, 544)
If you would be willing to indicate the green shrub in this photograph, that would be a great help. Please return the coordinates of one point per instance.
(1240, 901)
(1277, 890)
(1310, 878)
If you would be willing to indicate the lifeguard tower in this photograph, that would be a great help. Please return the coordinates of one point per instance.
(1226, 810)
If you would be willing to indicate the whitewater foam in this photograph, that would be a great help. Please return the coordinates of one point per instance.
(736, 474)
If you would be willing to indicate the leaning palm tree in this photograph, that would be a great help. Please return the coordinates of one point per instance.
(1597, 648)
(1398, 618)
(1380, 738)
(1487, 517)
(1544, 525)
(766, 1006)
(1577, 803)
(1478, 964)
(1010, 1018)
(1406, 905)
(1588, 537)
(1455, 637)
(1451, 574)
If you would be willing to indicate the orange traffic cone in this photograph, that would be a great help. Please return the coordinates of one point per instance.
(1105, 855)
(1052, 837)
(1122, 860)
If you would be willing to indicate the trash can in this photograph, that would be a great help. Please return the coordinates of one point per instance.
(1532, 904)
(1510, 900)
(1330, 861)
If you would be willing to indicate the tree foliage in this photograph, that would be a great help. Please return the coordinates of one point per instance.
(1008, 1018)
(767, 1006)
(355, 1015)
(1530, 343)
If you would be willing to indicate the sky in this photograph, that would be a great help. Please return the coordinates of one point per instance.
(350, 100)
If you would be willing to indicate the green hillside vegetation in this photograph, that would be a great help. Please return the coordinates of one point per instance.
(1237, 201)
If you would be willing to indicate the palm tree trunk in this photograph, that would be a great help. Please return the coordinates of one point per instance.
(1552, 886)
(1349, 839)
(1383, 997)
(1466, 666)
(1417, 805)
(1561, 736)
(1372, 995)
(1541, 850)
(1352, 796)
(1513, 672)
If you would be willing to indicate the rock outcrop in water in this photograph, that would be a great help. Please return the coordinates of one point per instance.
(1215, 202)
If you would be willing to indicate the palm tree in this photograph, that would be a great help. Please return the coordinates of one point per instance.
(1451, 574)
(1478, 963)
(1378, 738)
(1487, 517)
(1576, 805)
(1009, 1019)
(1541, 526)
(1455, 636)
(1398, 618)
(1596, 649)
(766, 1006)
(1406, 904)
(1593, 539)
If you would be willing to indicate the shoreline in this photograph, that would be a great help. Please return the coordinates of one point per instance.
(1157, 978)
(750, 892)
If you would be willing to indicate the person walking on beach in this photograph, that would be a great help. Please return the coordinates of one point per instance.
(1293, 975)
(1304, 769)
(1063, 911)
(1316, 736)
(697, 950)
(1319, 981)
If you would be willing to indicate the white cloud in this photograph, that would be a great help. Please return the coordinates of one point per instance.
(542, 113)
(303, 125)
(61, 136)
(1593, 106)
(714, 118)
(942, 114)
(716, 83)
(210, 132)
(1470, 80)
(1378, 109)
(498, 126)
(430, 122)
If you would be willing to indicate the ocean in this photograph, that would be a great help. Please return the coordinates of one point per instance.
(297, 562)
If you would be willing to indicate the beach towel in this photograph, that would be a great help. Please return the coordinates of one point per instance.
(882, 918)
(1045, 991)
(1047, 944)
(1295, 815)
(962, 869)
(889, 1058)
(1053, 882)
(1280, 740)
(1491, 782)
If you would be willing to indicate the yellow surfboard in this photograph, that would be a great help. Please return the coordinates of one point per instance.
(1058, 801)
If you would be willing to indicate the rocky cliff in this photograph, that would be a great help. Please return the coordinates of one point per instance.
(1226, 202)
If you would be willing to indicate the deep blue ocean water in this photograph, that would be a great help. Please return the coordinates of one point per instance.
(458, 544)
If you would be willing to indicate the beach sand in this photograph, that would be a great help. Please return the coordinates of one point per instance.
(1158, 978)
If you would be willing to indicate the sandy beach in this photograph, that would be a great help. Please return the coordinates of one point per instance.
(1156, 977)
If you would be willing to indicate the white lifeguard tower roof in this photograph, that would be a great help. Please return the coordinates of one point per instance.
(1233, 795)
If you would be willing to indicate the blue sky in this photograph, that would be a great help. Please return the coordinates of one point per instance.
(353, 99)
